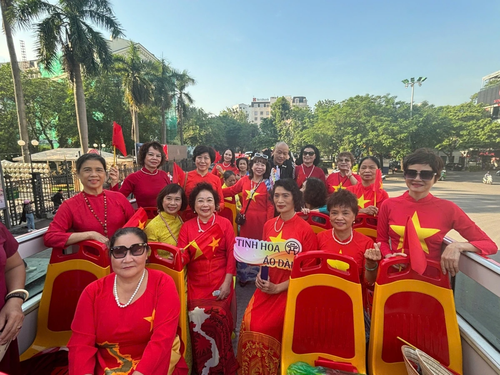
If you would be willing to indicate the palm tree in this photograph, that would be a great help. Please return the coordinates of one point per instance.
(183, 100)
(68, 28)
(163, 92)
(5, 6)
(136, 74)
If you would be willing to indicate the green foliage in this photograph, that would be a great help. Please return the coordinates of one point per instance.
(9, 133)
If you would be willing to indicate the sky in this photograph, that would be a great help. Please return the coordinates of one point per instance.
(331, 49)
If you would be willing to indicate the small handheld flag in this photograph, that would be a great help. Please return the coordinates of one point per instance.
(118, 141)
(411, 242)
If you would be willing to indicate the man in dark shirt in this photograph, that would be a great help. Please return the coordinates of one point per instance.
(57, 199)
(280, 160)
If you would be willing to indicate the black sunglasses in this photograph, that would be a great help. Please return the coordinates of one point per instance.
(120, 252)
(412, 174)
(308, 153)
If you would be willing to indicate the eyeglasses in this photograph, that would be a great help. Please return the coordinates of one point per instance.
(308, 153)
(259, 155)
(412, 174)
(120, 252)
(346, 160)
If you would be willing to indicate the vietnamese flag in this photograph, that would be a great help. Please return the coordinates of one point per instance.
(206, 243)
(139, 219)
(179, 175)
(218, 157)
(118, 140)
(165, 150)
(377, 185)
(411, 243)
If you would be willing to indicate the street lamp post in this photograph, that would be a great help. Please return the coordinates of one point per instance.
(100, 147)
(411, 82)
(34, 143)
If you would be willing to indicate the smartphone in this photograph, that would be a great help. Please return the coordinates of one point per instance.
(264, 273)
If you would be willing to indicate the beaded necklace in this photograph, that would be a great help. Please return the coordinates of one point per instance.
(199, 226)
(143, 170)
(276, 222)
(226, 166)
(168, 227)
(304, 172)
(340, 242)
(105, 223)
(115, 292)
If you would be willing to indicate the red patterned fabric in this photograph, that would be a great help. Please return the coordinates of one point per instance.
(366, 195)
(316, 172)
(335, 181)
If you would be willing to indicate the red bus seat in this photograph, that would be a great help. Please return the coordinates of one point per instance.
(172, 266)
(66, 278)
(367, 225)
(420, 310)
(324, 318)
(152, 212)
(318, 221)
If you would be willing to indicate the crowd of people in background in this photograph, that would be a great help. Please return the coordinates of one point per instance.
(272, 191)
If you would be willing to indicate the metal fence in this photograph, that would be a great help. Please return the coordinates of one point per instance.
(40, 190)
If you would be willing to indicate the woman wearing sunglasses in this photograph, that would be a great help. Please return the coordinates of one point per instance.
(307, 167)
(344, 177)
(256, 207)
(432, 217)
(127, 321)
(369, 197)
(208, 241)
(259, 345)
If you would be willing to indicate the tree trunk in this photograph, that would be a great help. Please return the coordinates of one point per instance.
(81, 109)
(163, 127)
(18, 90)
(135, 127)
(179, 126)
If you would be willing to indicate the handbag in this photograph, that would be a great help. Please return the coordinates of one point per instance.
(241, 217)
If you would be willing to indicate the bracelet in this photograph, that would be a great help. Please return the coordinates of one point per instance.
(18, 293)
(371, 269)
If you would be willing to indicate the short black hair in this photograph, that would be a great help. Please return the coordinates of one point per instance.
(86, 157)
(343, 198)
(425, 156)
(372, 158)
(315, 193)
(233, 156)
(267, 173)
(228, 174)
(346, 154)
(239, 160)
(128, 230)
(143, 151)
(171, 189)
(200, 149)
(289, 185)
(316, 161)
(199, 188)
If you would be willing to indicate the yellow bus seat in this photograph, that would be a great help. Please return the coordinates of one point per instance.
(418, 309)
(324, 317)
(66, 278)
(367, 225)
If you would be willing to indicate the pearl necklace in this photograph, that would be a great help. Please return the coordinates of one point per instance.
(304, 172)
(340, 242)
(105, 224)
(199, 226)
(168, 227)
(149, 173)
(276, 222)
(115, 292)
(226, 166)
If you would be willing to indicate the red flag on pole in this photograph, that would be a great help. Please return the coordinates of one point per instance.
(412, 244)
(139, 219)
(218, 157)
(179, 175)
(118, 140)
(207, 242)
(377, 185)
(165, 150)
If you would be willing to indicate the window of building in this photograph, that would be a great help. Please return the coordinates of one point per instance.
(255, 118)
(267, 113)
(255, 113)
(261, 113)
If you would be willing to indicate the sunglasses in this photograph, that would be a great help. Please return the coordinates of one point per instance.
(259, 155)
(308, 153)
(120, 252)
(346, 160)
(411, 174)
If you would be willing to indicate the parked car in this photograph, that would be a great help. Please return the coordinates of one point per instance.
(454, 167)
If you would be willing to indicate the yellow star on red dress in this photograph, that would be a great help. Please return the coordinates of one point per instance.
(337, 187)
(249, 195)
(362, 201)
(278, 238)
(214, 243)
(151, 319)
(422, 233)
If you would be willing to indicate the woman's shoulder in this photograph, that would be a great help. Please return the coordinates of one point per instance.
(362, 239)
(160, 279)
(99, 286)
(223, 222)
(116, 196)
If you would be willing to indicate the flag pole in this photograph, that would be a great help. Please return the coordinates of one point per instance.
(114, 156)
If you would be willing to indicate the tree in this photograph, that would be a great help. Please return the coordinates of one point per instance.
(183, 99)
(68, 29)
(136, 74)
(8, 115)
(163, 92)
(6, 7)
(281, 116)
(201, 129)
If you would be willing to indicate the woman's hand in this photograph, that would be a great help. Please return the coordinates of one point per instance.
(114, 176)
(451, 257)
(91, 235)
(370, 210)
(306, 211)
(225, 289)
(397, 266)
(373, 256)
(11, 319)
(219, 168)
(267, 286)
